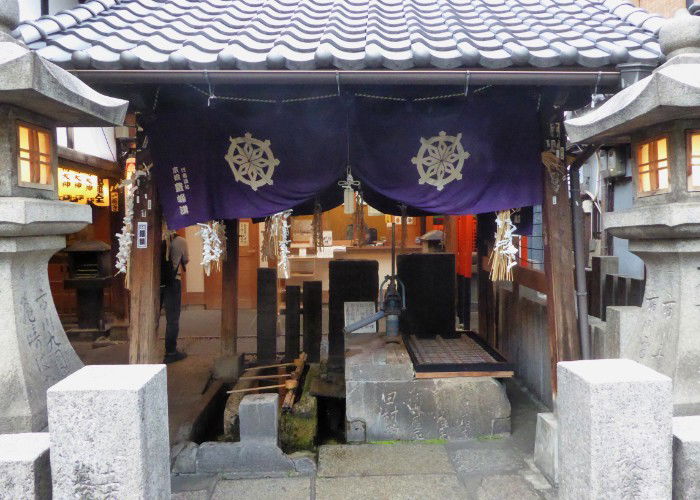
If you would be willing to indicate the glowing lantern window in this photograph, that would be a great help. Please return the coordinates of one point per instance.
(35, 157)
(652, 167)
(693, 152)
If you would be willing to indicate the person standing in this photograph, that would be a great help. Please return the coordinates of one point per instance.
(174, 259)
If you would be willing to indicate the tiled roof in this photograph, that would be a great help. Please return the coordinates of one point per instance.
(344, 34)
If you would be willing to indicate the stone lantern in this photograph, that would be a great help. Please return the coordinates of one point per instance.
(660, 117)
(35, 97)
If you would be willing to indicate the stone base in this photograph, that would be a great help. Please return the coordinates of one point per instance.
(615, 430)
(242, 459)
(686, 457)
(109, 433)
(384, 400)
(24, 466)
(547, 447)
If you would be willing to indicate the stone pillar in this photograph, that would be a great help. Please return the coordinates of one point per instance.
(109, 433)
(686, 457)
(258, 417)
(614, 430)
(24, 466)
(34, 350)
(666, 327)
(547, 446)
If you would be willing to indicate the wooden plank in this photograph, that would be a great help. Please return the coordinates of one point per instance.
(621, 298)
(498, 374)
(636, 292)
(595, 292)
(608, 294)
(144, 268)
(531, 278)
(229, 290)
(559, 267)
(525, 276)
(589, 285)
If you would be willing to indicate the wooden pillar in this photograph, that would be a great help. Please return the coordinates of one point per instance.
(144, 268)
(487, 303)
(559, 267)
(313, 309)
(267, 315)
(229, 290)
(291, 322)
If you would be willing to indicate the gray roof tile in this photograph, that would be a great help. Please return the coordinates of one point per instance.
(344, 34)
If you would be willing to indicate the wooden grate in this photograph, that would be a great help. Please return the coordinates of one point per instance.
(464, 353)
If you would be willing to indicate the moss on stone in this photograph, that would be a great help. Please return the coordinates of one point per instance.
(298, 428)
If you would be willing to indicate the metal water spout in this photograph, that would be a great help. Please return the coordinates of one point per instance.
(393, 300)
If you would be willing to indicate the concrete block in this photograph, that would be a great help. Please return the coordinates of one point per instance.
(547, 446)
(598, 332)
(109, 433)
(186, 460)
(686, 457)
(24, 466)
(242, 458)
(614, 430)
(455, 408)
(258, 418)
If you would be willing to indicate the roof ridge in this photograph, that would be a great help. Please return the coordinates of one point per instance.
(626, 10)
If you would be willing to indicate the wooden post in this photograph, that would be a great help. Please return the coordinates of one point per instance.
(313, 308)
(144, 268)
(559, 267)
(291, 322)
(267, 315)
(229, 291)
(487, 303)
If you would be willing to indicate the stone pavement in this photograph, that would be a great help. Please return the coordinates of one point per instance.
(481, 469)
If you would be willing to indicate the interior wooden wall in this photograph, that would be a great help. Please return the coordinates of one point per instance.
(337, 221)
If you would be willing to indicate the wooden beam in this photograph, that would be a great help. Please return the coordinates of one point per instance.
(90, 164)
(144, 268)
(525, 276)
(559, 267)
(229, 290)
(496, 374)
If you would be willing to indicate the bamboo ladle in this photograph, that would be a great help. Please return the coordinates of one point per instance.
(288, 384)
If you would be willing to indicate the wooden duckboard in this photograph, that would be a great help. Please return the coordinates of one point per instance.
(464, 356)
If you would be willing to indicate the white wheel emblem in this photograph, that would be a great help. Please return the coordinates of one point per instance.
(440, 159)
(251, 161)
